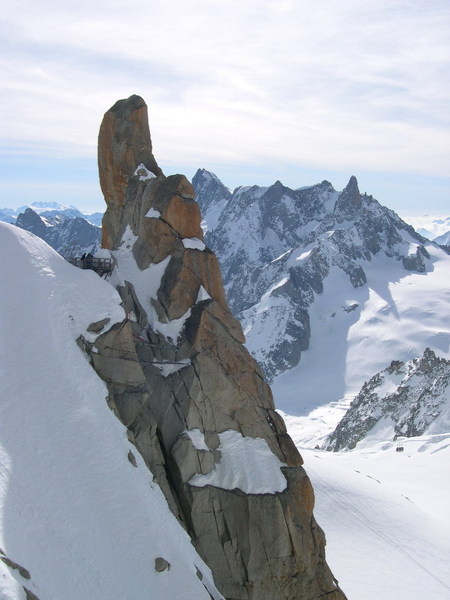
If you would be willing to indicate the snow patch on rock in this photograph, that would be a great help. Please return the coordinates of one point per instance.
(153, 214)
(143, 173)
(247, 464)
(168, 368)
(193, 244)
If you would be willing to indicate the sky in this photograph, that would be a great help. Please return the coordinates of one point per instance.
(255, 91)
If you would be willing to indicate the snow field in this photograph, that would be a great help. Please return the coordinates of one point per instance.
(385, 515)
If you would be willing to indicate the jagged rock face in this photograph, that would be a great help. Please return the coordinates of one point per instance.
(277, 246)
(31, 221)
(349, 202)
(408, 398)
(211, 195)
(197, 407)
(71, 237)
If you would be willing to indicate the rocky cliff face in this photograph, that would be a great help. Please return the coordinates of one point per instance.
(70, 236)
(195, 403)
(405, 400)
(277, 246)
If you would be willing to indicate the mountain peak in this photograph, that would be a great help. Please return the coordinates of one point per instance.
(349, 201)
(124, 144)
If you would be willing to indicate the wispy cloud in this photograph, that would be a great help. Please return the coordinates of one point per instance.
(345, 85)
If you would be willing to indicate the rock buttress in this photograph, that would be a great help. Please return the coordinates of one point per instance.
(194, 401)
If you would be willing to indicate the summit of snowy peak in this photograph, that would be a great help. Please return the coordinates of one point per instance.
(443, 240)
(349, 202)
(206, 176)
(211, 195)
(31, 221)
(70, 236)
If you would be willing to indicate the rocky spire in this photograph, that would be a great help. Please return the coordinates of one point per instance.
(196, 404)
(124, 146)
(349, 202)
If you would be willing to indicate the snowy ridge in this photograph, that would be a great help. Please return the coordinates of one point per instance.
(395, 317)
(74, 511)
(406, 399)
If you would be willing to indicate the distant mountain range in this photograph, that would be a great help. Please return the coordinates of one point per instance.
(70, 236)
(66, 229)
(50, 210)
(330, 287)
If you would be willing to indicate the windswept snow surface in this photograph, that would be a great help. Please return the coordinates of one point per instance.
(73, 510)
(386, 517)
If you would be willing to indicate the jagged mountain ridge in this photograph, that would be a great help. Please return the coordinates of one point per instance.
(406, 399)
(277, 246)
(69, 235)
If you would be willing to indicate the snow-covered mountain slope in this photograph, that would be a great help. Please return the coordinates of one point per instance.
(331, 277)
(443, 240)
(71, 236)
(386, 517)
(74, 511)
(405, 399)
(397, 317)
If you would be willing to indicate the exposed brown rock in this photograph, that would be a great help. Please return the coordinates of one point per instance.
(180, 378)
(123, 144)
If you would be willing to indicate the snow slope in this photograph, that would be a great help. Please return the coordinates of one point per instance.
(386, 518)
(74, 511)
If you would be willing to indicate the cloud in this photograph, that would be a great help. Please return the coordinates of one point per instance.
(344, 85)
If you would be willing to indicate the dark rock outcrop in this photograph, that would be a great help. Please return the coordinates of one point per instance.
(194, 401)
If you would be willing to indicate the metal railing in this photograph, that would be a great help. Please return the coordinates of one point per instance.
(102, 266)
